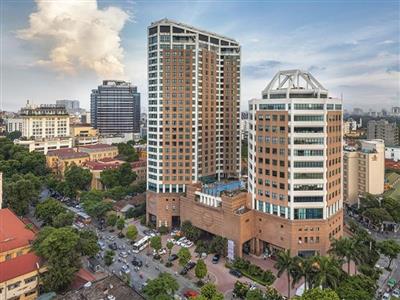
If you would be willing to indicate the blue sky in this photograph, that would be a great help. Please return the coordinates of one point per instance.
(351, 47)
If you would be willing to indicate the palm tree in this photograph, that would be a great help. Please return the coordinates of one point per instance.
(344, 248)
(284, 263)
(302, 268)
(327, 271)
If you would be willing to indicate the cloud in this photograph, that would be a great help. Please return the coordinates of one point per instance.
(261, 68)
(78, 36)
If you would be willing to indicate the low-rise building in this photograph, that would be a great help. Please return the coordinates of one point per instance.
(59, 160)
(19, 267)
(98, 166)
(84, 134)
(363, 170)
(99, 151)
(46, 145)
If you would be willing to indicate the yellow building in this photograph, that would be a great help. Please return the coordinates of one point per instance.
(59, 160)
(99, 151)
(364, 170)
(84, 134)
(19, 268)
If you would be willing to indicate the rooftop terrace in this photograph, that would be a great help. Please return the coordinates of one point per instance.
(216, 188)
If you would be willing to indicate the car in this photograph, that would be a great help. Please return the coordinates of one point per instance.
(190, 265)
(386, 296)
(216, 258)
(396, 293)
(190, 294)
(173, 257)
(123, 254)
(113, 246)
(137, 263)
(157, 256)
(187, 244)
(102, 245)
(235, 273)
(181, 241)
(183, 271)
(173, 241)
(111, 238)
(162, 251)
(121, 235)
(125, 269)
(121, 247)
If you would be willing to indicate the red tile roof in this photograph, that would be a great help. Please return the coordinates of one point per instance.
(81, 278)
(67, 153)
(13, 232)
(97, 146)
(391, 164)
(98, 165)
(18, 266)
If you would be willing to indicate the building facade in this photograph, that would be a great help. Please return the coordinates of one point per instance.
(20, 267)
(364, 170)
(72, 106)
(115, 108)
(392, 153)
(383, 130)
(193, 112)
(84, 134)
(295, 162)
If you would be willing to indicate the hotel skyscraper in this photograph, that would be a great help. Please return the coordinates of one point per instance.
(193, 113)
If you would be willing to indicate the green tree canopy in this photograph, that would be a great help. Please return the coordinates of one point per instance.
(357, 287)
(121, 176)
(377, 215)
(191, 232)
(390, 249)
(127, 152)
(120, 223)
(131, 232)
(94, 204)
(78, 178)
(163, 285)
(155, 242)
(14, 135)
(111, 219)
(209, 291)
(200, 269)
(318, 294)
(47, 210)
(184, 256)
(63, 219)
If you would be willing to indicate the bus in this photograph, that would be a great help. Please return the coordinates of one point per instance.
(141, 244)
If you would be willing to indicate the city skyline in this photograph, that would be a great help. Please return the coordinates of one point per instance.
(361, 64)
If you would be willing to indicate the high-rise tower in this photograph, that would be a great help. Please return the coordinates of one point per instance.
(193, 113)
(295, 163)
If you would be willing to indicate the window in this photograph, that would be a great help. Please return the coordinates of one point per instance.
(30, 279)
(308, 175)
(272, 106)
(305, 106)
(308, 164)
(309, 129)
(308, 118)
(309, 141)
(308, 199)
(308, 152)
(307, 213)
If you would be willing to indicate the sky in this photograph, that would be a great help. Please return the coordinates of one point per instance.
(63, 49)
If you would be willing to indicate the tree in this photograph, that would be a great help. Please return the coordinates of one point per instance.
(302, 268)
(155, 243)
(240, 289)
(14, 135)
(344, 248)
(111, 220)
(163, 285)
(108, 257)
(170, 245)
(20, 191)
(377, 215)
(318, 294)
(390, 249)
(131, 232)
(48, 210)
(219, 245)
(328, 272)
(94, 204)
(59, 248)
(62, 249)
(209, 291)
(127, 152)
(120, 177)
(283, 264)
(120, 223)
(357, 287)
(63, 219)
(78, 178)
(184, 256)
(200, 270)
(191, 232)
(255, 294)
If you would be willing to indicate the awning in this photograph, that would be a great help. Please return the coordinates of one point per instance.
(391, 283)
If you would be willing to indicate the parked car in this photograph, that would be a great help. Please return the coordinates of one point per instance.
(183, 271)
(235, 273)
(216, 258)
(190, 294)
(121, 235)
(396, 293)
(102, 245)
(137, 263)
(162, 251)
(113, 246)
(187, 244)
(173, 257)
(123, 254)
(190, 265)
(125, 269)
(173, 241)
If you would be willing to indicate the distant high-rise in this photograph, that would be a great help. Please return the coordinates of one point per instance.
(193, 111)
(115, 107)
(383, 130)
(72, 106)
(364, 170)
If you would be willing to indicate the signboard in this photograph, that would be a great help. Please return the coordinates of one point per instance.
(231, 250)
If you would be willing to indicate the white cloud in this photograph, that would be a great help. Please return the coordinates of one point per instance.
(79, 36)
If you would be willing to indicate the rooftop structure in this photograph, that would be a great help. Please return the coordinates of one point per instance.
(19, 266)
(68, 153)
(44, 110)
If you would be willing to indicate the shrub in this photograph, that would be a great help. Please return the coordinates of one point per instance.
(163, 230)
